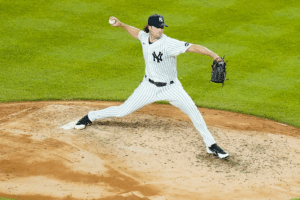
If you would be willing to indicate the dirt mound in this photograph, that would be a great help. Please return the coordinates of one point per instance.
(154, 153)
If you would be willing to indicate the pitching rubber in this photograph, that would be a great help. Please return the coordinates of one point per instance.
(79, 127)
(69, 125)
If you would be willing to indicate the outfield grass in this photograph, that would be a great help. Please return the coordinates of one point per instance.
(66, 50)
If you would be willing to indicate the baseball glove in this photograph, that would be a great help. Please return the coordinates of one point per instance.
(218, 71)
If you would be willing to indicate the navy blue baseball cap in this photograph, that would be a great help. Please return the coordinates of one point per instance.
(156, 20)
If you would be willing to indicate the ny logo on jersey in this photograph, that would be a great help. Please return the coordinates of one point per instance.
(157, 57)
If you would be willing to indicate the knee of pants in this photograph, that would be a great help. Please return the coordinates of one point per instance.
(121, 115)
(120, 112)
(190, 110)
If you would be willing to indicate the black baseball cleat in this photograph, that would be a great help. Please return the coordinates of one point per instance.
(217, 151)
(82, 123)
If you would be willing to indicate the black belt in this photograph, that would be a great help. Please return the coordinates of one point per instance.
(159, 84)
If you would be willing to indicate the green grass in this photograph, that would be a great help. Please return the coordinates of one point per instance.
(66, 50)
(1, 198)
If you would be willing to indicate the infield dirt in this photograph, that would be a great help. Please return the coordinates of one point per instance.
(154, 153)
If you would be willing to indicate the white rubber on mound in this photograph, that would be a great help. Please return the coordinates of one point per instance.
(70, 125)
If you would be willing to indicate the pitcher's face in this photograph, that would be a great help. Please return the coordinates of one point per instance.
(156, 32)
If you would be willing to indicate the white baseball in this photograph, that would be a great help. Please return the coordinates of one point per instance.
(112, 21)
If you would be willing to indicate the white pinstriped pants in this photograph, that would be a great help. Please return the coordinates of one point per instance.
(147, 93)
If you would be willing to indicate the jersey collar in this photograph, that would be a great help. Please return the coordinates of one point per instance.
(156, 42)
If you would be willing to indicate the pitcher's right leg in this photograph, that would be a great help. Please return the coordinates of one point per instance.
(179, 98)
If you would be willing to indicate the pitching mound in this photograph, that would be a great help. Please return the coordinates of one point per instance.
(154, 153)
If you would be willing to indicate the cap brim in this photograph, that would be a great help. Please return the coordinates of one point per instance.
(161, 25)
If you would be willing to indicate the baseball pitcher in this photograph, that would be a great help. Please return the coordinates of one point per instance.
(160, 81)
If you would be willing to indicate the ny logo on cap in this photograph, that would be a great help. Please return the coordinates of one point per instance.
(161, 19)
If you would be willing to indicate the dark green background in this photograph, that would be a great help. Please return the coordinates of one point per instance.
(66, 50)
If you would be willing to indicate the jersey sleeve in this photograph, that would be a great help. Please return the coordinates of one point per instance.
(177, 47)
(142, 36)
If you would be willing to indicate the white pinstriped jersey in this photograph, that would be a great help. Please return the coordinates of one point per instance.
(161, 56)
